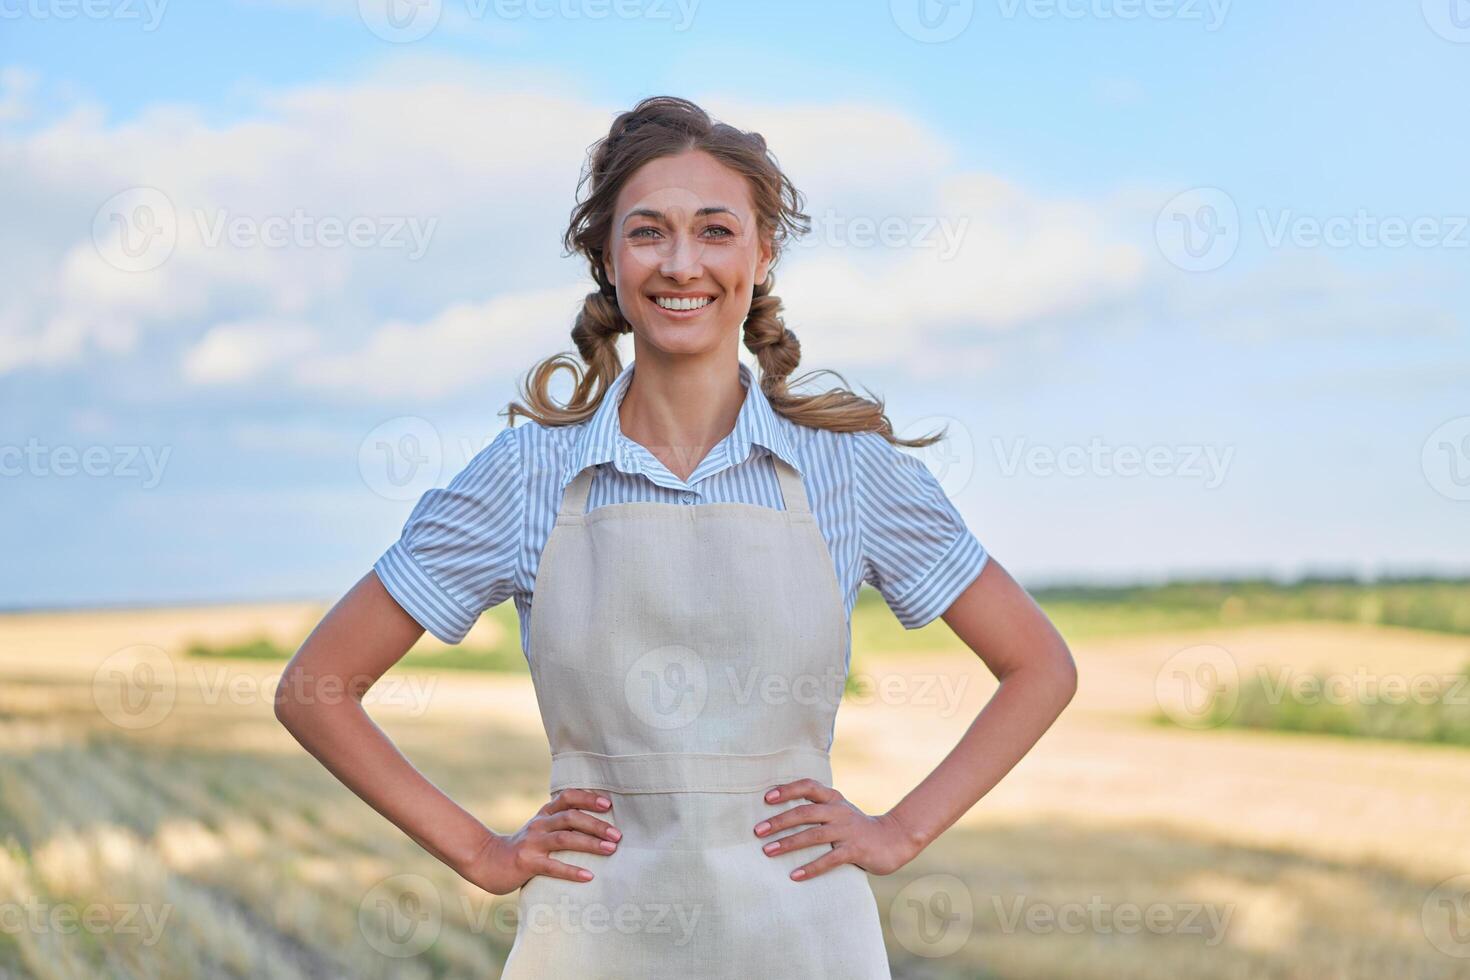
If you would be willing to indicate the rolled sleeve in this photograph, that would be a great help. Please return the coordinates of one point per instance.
(917, 551)
(456, 556)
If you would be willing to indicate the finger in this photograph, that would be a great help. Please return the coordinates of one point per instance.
(808, 789)
(828, 861)
(585, 799)
(574, 840)
(584, 821)
(824, 834)
(795, 817)
(559, 869)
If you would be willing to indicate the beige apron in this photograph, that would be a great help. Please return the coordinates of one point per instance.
(687, 658)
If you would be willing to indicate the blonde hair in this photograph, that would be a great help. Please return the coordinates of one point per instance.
(667, 126)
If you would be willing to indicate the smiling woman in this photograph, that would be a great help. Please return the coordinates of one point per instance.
(682, 228)
(685, 541)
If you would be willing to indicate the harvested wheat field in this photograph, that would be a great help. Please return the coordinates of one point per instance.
(159, 822)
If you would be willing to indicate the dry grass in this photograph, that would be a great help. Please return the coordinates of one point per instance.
(210, 844)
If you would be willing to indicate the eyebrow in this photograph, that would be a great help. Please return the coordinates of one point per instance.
(659, 215)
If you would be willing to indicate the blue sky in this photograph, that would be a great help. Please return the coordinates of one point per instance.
(1300, 380)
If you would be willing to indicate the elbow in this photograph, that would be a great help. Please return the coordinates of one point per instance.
(1064, 674)
(283, 710)
(287, 705)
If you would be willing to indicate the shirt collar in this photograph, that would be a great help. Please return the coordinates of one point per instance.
(757, 424)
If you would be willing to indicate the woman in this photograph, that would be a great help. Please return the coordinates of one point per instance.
(685, 543)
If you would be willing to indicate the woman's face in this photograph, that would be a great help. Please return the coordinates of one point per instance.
(683, 231)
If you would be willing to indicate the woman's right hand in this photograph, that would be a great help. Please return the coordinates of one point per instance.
(503, 864)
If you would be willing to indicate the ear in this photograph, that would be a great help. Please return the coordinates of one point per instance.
(765, 254)
(607, 268)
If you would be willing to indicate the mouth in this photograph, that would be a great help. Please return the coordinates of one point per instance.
(678, 307)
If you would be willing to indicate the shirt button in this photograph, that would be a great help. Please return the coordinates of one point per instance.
(687, 497)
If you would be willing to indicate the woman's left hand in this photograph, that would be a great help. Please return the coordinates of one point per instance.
(878, 845)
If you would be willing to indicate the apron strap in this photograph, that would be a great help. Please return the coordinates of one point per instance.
(574, 500)
(793, 491)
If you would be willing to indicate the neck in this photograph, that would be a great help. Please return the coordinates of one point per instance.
(679, 407)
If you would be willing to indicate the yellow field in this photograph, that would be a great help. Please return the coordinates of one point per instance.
(186, 834)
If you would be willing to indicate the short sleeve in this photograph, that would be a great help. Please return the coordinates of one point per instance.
(917, 551)
(456, 556)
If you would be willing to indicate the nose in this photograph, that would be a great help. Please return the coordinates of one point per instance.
(681, 259)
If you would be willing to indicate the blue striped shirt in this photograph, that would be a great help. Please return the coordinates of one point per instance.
(478, 541)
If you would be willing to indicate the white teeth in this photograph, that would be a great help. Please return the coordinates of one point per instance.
(682, 304)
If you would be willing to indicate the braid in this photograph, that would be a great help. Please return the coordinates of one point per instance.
(774, 345)
(595, 335)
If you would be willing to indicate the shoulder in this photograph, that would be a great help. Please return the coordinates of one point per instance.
(824, 450)
(497, 461)
(863, 463)
(883, 469)
(543, 450)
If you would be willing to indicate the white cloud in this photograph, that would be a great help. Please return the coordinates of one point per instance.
(470, 150)
(1015, 258)
(232, 353)
(466, 343)
(882, 155)
(377, 150)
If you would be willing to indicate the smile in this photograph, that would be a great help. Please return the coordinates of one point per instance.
(683, 305)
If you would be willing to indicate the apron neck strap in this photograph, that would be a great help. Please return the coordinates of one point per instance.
(574, 499)
(793, 491)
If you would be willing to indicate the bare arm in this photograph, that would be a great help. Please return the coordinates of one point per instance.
(1001, 623)
(319, 700)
